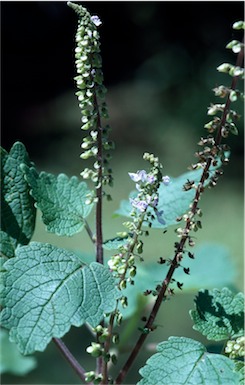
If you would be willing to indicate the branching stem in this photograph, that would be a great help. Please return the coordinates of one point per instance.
(174, 263)
(70, 358)
(89, 231)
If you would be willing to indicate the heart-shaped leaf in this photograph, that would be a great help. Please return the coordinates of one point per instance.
(184, 361)
(47, 290)
(61, 200)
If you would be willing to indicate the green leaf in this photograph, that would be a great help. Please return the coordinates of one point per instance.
(219, 314)
(115, 243)
(61, 200)
(182, 360)
(18, 213)
(173, 200)
(47, 290)
(209, 258)
(3, 259)
(11, 360)
(7, 245)
(239, 368)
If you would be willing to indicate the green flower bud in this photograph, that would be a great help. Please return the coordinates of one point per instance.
(114, 359)
(233, 96)
(236, 71)
(115, 338)
(132, 271)
(239, 25)
(225, 67)
(235, 46)
(94, 349)
(122, 286)
(89, 376)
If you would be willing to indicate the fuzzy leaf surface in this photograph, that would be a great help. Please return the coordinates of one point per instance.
(60, 199)
(219, 314)
(7, 245)
(47, 290)
(182, 361)
(12, 361)
(18, 213)
(115, 243)
(173, 200)
(239, 368)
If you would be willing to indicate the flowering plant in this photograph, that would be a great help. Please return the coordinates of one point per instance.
(46, 289)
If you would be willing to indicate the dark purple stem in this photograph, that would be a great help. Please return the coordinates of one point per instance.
(70, 358)
(174, 263)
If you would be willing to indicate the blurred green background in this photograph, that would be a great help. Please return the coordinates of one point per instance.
(159, 61)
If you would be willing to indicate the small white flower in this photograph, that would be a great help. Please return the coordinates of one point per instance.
(96, 20)
(166, 180)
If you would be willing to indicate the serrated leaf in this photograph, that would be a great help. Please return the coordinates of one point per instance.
(184, 361)
(7, 245)
(3, 259)
(115, 243)
(239, 368)
(17, 206)
(173, 200)
(47, 290)
(209, 258)
(11, 360)
(61, 201)
(219, 314)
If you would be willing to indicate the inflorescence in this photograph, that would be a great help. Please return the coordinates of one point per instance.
(91, 97)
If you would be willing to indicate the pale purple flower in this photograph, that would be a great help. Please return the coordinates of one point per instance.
(142, 176)
(96, 20)
(140, 205)
(159, 216)
(166, 180)
(154, 202)
(139, 176)
(151, 179)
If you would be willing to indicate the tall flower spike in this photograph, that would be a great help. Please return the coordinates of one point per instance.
(91, 93)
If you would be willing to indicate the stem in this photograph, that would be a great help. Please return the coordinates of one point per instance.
(99, 191)
(174, 263)
(233, 87)
(101, 365)
(70, 358)
(89, 231)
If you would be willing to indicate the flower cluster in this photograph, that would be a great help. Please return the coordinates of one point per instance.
(213, 153)
(91, 97)
(236, 348)
(123, 264)
(229, 125)
(147, 184)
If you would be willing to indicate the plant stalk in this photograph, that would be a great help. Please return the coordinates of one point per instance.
(174, 263)
(70, 358)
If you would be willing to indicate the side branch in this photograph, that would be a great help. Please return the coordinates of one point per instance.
(184, 238)
(70, 358)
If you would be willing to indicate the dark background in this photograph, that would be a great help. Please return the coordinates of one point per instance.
(159, 62)
(38, 44)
